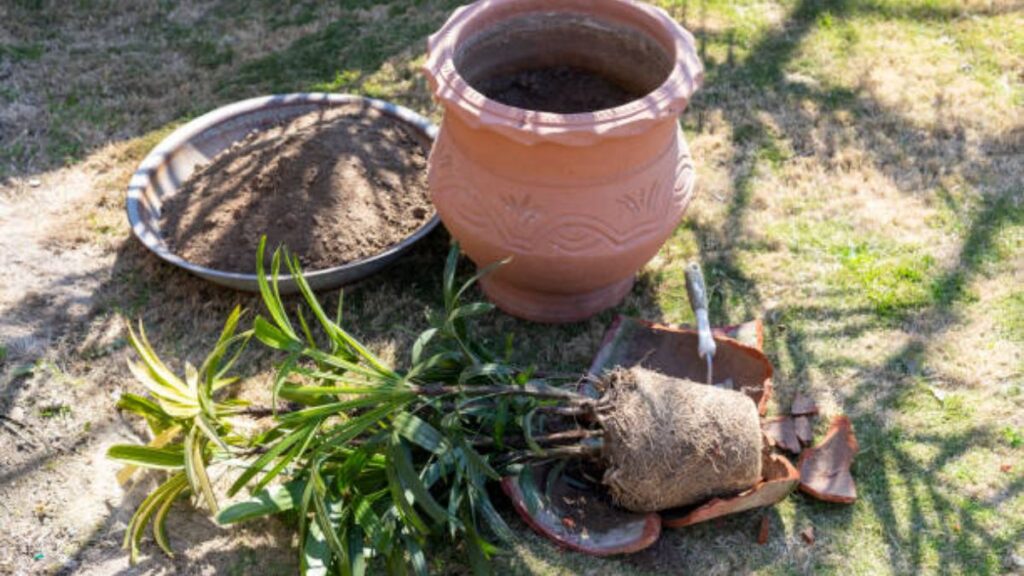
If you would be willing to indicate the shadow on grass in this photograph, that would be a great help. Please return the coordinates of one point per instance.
(886, 469)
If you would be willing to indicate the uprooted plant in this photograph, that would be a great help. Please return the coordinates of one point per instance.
(374, 462)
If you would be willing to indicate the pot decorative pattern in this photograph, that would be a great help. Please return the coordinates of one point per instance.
(579, 202)
(522, 219)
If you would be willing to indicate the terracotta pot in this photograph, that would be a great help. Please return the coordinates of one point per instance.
(582, 200)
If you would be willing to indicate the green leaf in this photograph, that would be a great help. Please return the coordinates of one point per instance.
(262, 462)
(305, 327)
(473, 309)
(316, 553)
(269, 501)
(419, 432)
(527, 425)
(158, 371)
(195, 469)
(421, 342)
(289, 457)
(339, 408)
(283, 371)
(168, 458)
(344, 433)
(528, 487)
(486, 270)
(140, 519)
(402, 500)
(476, 549)
(483, 505)
(208, 429)
(160, 517)
(357, 560)
(272, 296)
(212, 367)
(450, 267)
(333, 330)
(305, 395)
(477, 462)
(172, 401)
(369, 521)
(157, 419)
(328, 516)
(342, 363)
(273, 337)
(402, 462)
(416, 556)
(500, 423)
(489, 370)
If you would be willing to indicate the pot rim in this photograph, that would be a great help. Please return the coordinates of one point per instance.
(668, 100)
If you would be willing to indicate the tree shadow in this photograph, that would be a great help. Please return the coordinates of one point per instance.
(791, 330)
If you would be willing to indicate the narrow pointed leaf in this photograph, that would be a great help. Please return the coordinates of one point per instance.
(421, 342)
(419, 432)
(147, 457)
(402, 462)
(470, 310)
(269, 501)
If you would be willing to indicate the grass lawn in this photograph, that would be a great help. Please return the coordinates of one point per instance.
(861, 167)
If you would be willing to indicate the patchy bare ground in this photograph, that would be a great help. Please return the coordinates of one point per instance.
(861, 165)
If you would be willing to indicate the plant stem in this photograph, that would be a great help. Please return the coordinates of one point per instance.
(533, 390)
(568, 411)
(571, 451)
(263, 411)
(576, 434)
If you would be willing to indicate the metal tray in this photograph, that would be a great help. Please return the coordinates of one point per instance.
(171, 163)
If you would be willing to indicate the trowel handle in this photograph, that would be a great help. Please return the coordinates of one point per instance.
(698, 295)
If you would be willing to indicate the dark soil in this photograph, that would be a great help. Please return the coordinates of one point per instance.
(332, 186)
(558, 89)
(585, 505)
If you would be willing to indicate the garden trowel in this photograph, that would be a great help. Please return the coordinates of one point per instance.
(697, 293)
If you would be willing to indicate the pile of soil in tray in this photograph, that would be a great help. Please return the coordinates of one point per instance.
(558, 89)
(333, 186)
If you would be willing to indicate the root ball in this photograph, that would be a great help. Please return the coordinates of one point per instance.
(670, 442)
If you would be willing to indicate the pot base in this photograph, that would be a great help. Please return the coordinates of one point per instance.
(552, 308)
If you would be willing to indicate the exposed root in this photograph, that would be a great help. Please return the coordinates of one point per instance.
(671, 442)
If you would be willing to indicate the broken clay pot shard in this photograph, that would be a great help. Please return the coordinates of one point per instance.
(804, 432)
(672, 350)
(782, 433)
(825, 468)
(576, 518)
(780, 479)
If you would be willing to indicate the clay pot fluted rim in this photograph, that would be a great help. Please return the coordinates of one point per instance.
(532, 127)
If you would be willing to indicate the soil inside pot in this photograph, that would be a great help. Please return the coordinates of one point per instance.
(558, 89)
(584, 506)
(334, 186)
(563, 62)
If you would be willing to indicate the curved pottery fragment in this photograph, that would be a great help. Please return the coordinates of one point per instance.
(672, 351)
(781, 431)
(825, 468)
(578, 516)
(780, 479)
